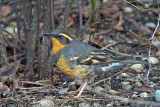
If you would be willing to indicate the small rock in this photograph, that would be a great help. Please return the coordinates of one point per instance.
(124, 75)
(96, 105)
(72, 86)
(13, 24)
(109, 105)
(113, 92)
(99, 89)
(152, 84)
(6, 92)
(154, 60)
(63, 91)
(138, 84)
(150, 25)
(2, 26)
(125, 83)
(137, 67)
(84, 105)
(11, 30)
(128, 10)
(135, 92)
(134, 95)
(44, 103)
(157, 95)
(139, 77)
(127, 87)
(49, 97)
(107, 87)
(144, 94)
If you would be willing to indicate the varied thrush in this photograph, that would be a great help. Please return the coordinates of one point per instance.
(80, 60)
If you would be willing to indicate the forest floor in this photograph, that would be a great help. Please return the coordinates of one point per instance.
(120, 27)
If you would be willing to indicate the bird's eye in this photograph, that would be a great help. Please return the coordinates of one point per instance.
(59, 36)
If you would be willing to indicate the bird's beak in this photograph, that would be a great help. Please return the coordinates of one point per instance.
(46, 34)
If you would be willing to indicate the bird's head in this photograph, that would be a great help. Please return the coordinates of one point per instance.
(60, 39)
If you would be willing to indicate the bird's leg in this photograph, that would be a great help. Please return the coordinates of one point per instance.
(83, 85)
(80, 89)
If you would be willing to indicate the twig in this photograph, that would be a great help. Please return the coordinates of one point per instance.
(29, 82)
(13, 36)
(65, 15)
(115, 97)
(90, 18)
(112, 51)
(17, 101)
(15, 45)
(105, 79)
(32, 88)
(150, 46)
(80, 15)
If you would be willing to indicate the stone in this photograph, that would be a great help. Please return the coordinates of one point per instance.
(124, 75)
(84, 105)
(96, 105)
(144, 95)
(154, 60)
(128, 10)
(113, 92)
(137, 68)
(150, 24)
(63, 91)
(44, 103)
(138, 84)
(157, 95)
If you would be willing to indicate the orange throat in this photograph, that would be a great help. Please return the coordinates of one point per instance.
(56, 45)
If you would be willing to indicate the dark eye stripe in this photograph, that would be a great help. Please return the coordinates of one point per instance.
(59, 36)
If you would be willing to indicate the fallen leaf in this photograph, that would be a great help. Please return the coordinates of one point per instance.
(85, 12)
(10, 69)
(5, 11)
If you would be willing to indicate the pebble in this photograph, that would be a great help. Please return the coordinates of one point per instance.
(113, 92)
(124, 75)
(157, 95)
(124, 83)
(84, 105)
(138, 84)
(109, 105)
(13, 24)
(63, 91)
(137, 68)
(154, 60)
(139, 77)
(150, 25)
(152, 84)
(96, 105)
(12, 30)
(72, 88)
(144, 95)
(2, 25)
(128, 87)
(128, 10)
(44, 103)
(134, 95)
(99, 89)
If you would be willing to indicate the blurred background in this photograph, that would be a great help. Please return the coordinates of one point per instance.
(119, 26)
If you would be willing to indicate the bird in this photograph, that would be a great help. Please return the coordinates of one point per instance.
(80, 60)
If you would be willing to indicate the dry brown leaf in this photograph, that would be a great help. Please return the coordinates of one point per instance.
(108, 11)
(5, 11)
(85, 12)
(10, 69)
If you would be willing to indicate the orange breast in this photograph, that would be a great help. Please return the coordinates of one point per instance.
(79, 72)
(56, 45)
